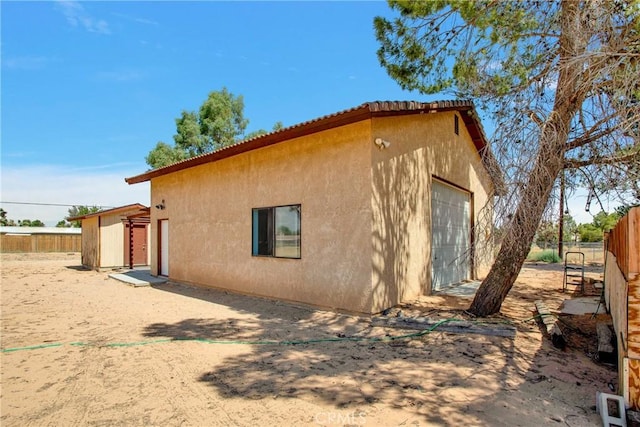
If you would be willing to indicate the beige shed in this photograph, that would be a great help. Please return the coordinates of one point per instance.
(117, 237)
(358, 210)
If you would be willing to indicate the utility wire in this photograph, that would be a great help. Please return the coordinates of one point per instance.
(52, 204)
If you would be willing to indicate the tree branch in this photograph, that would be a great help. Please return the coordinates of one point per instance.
(576, 164)
(586, 139)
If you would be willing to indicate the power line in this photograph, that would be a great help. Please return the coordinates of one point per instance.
(51, 204)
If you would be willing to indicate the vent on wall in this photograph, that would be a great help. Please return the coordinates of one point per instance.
(456, 126)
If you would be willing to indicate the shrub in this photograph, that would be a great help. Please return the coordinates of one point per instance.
(546, 256)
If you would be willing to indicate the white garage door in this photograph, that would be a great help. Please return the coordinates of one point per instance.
(450, 234)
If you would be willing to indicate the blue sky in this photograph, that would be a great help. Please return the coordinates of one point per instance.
(89, 88)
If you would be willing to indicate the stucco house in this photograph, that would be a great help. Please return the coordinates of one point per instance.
(358, 210)
(115, 238)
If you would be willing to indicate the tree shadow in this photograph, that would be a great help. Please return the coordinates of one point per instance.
(251, 311)
(343, 362)
(78, 268)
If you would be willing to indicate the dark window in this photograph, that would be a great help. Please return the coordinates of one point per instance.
(276, 231)
(456, 126)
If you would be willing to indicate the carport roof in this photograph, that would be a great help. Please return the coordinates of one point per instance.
(364, 111)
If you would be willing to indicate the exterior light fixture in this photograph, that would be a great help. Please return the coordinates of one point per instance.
(381, 143)
(161, 205)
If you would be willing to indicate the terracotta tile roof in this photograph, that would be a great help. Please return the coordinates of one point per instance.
(341, 118)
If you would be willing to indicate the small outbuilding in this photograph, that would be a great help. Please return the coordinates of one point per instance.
(358, 210)
(117, 237)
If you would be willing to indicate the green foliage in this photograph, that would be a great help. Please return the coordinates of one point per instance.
(569, 229)
(480, 47)
(590, 233)
(547, 234)
(222, 119)
(256, 133)
(164, 154)
(189, 139)
(604, 221)
(79, 210)
(219, 122)
(550, 256)
(4, 221)
(30, 223)
(63, 224)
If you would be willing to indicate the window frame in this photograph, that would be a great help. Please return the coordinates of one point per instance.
(271, 231)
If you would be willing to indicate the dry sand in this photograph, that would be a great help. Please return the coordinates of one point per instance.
(119, 356)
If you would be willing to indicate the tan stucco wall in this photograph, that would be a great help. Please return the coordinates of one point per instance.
(90, 236)
(422, 147)
(365, 212)
(209, 211)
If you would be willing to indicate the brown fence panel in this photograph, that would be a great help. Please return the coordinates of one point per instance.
(624, 243)
(41, 243)
(9, 243)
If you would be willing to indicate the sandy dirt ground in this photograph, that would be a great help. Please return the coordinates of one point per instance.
(108, 354)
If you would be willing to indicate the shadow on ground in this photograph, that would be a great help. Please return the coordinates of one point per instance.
(78, 268)
(340, 360)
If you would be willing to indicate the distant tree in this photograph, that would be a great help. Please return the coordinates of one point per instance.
(30, 223)
(547, 234)
(164, 154)
(63, 224)
(604, 221)
(256, 133)
(4, 221)
(589, 233)
(80, 210)
(189, 138)
(569, 229)
(559, 77)
(221, 120)
(218, 123)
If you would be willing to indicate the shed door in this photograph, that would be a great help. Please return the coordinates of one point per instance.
(163, 241)
(450, 235)
(139, 244)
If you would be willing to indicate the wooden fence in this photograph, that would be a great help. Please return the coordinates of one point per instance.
(622, 294)
(624, 243)
(40, 243)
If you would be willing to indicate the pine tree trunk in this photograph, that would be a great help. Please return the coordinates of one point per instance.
(548, 164)
(520, 234)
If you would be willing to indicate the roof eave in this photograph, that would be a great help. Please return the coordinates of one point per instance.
(362, 112)
(111, 211)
